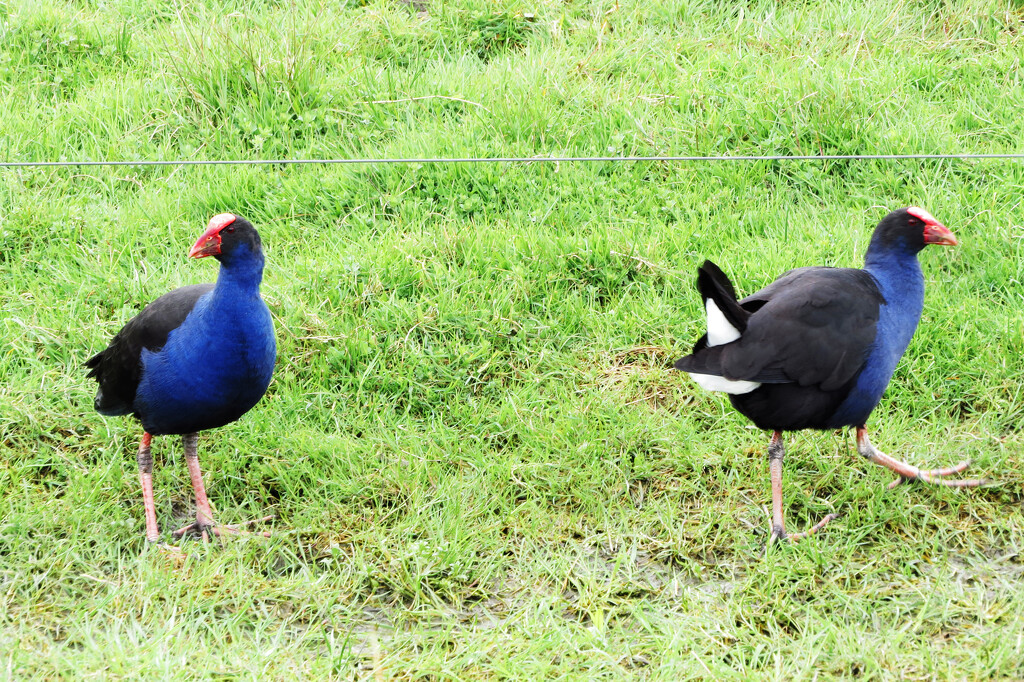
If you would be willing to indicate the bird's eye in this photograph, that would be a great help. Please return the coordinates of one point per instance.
(229, 229)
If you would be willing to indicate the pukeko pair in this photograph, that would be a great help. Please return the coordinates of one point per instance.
(815, 349)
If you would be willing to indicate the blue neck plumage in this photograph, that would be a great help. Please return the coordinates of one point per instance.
(241, 273)
(898, 273)
(901, 282)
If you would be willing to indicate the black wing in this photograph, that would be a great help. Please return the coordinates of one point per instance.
(118, 368)
(811, 326)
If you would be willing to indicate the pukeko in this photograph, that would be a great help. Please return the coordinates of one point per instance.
(196, 358)
(815, 349)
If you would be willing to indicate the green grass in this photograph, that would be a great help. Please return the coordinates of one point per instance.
(480, 462)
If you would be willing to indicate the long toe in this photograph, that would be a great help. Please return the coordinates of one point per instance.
(171, 552)
(937, 477)
(794, 537)
(221, 530)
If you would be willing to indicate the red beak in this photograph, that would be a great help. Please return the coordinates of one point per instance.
(937, 233)
(934, 231)
(208, 243)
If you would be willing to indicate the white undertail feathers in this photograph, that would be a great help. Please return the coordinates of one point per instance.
(721, 332)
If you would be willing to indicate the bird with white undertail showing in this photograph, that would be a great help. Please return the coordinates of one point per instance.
(816, 348)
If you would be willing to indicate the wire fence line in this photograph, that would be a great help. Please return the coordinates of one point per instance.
(513, 159)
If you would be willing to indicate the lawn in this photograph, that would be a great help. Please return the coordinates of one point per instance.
(480, 462)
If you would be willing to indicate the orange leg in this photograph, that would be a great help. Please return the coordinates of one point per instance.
(776, 453)
(204, 513)
(145, 458)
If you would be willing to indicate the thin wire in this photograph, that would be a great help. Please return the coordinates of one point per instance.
(509, 159)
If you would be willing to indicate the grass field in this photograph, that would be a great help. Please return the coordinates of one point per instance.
(480, 463)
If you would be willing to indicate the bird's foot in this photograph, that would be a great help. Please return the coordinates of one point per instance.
(205, 529)
(780, 535)
(909, 472)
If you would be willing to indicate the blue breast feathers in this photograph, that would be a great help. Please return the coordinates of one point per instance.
(217, 364)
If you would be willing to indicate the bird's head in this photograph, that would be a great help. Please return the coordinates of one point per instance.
(225, 235)
(911, 229)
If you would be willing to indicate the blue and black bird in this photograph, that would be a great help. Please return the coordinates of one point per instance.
(196, 358)
(816, 348)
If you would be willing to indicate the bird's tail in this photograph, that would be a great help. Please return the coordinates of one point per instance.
(106, 404)
(727, 320)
